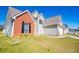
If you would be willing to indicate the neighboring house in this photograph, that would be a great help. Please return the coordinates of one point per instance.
(19, 22)
(53, 26)
(73, 31)
(77, 30)
(65, 28)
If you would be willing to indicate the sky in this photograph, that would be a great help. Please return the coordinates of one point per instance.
(69, 14)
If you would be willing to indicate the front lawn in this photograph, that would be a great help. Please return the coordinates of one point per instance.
(42, 44)
(77, 35)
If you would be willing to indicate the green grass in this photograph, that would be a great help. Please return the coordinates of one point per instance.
(77, 35)
(36, 44)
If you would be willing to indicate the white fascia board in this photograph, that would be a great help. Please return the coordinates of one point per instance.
(19, 14)
(14, 17)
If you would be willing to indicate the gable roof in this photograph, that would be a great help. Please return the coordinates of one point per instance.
(35, 14)
(53, 20)
(14, 17)
(20, 14)
(11, 12)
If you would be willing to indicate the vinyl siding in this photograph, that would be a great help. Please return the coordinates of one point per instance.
(60, 31)
(8, 29)
(51, 31)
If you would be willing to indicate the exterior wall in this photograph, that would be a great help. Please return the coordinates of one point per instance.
(18, 23)
(4, 31)
(38, 27)
(8, 29)
(66, 30)
(60, 31)
(51, 31)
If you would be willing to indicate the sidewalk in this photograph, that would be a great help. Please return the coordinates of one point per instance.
(75, 37)
(70, 36)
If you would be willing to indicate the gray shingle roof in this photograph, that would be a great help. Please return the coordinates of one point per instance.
(53, 20)
(11, 12)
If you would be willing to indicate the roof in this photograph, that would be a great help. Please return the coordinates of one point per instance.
(20, 14)
(14, 17)
(53, 20)
(35, 14)
(11, 12)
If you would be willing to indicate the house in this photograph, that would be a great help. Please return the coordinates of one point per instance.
(73, 31)
(53, 26)
(66, 30)
(77, 30)
(23, 22)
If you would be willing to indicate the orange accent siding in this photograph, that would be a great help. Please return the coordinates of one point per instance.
(18, 23)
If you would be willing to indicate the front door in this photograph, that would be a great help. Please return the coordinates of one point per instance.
(26, 28)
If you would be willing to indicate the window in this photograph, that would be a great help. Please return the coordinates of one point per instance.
(40, 22)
